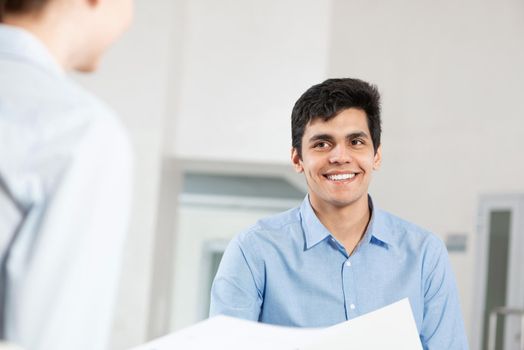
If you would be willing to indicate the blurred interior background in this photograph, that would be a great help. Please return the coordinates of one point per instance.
(206, 88)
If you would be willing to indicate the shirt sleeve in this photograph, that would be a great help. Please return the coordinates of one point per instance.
(64, 270)
(236, 290)
(442, 326)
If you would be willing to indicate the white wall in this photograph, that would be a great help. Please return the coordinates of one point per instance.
(243, 63)
(452, 79)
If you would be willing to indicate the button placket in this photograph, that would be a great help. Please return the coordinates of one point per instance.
(349, 288)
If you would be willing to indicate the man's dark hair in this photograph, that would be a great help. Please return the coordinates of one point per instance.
(20, 6)
(328, 99)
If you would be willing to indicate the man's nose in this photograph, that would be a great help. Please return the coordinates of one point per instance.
(340, 154)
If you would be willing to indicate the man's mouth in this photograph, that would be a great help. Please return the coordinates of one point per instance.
(340, 177)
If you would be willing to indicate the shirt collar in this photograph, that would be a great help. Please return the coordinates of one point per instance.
(379, 228)
(21, 45)
(313, 229)
(377, 231)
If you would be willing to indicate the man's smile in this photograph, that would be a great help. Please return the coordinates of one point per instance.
(339, 176)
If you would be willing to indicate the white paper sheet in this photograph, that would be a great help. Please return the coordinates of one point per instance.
(391, 327)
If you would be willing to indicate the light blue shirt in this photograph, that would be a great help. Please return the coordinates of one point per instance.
(289, 270)
(65, 188)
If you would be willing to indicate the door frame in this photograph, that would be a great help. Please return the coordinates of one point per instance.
(166, 231)
(515, 290)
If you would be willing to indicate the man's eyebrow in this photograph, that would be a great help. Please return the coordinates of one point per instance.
(321, 137)
(357, 134)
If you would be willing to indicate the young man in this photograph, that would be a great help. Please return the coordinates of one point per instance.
(338, 256)
(65, 175)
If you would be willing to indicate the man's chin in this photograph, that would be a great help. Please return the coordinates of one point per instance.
(87, 66)
(344, 201)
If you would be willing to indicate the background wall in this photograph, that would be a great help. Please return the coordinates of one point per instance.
(243, 63)
(216, 80)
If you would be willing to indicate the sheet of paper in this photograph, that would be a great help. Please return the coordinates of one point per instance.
(227, 333)
(391, 327)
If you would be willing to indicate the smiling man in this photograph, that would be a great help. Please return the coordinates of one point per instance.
(338, 256)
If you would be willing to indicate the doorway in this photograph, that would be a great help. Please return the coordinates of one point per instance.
(500, 278)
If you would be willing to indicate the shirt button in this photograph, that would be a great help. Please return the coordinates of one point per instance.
(348, 263)
(352, 306)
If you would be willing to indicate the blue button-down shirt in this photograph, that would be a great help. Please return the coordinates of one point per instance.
(289, 270)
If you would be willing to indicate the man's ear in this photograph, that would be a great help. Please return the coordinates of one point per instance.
(377, 161)
(295, 159)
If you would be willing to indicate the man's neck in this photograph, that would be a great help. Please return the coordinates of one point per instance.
(347, 224)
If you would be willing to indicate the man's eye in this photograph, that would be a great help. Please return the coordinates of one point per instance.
(357, 142)
(321, 145)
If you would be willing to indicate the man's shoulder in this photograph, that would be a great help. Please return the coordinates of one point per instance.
(274, 230)
(402, 232)
(53, 124)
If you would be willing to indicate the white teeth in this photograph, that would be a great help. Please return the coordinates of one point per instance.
(339, 177)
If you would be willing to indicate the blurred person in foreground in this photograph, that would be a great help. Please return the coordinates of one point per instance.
(65, 175)
(338, 256)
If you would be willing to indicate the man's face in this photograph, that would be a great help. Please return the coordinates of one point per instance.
(338, 159)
